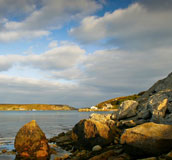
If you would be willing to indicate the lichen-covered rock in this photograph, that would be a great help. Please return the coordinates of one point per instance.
(88, 133)
(30, 141)
(144, 114)
(127, 109)
(168, 119)
(148, 139)
(158, 104)
(100, 117)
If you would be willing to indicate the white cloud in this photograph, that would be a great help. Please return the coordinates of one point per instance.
(28, 90)
(58, 58)
(7, 36)
(124, 72)
(133, 27)
(53, 44)
(143, 33)
(84, 80)
(74, 73)
(9, 7)
(51, 15)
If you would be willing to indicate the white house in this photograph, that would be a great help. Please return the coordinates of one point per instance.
(109, 106)
(93, 107)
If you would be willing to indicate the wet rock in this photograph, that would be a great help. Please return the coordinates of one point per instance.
(127, 109)
(96, 148)
(104, 156)
(63, 140)
(4, 151)
(150, 158)
(30, 141)
(126, 123)
(148, 139)
(169, 155)
(65, 156)
(88, 133)
(123, 156)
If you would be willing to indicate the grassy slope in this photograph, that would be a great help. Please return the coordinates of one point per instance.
(34, 106)
(117, 101)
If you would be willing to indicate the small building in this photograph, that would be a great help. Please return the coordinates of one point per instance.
(109, 106)
(93, 107)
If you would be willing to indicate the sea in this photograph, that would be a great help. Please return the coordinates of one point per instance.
(51, 122)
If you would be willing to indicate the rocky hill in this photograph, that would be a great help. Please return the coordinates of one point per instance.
(33, 107)
(161, 85)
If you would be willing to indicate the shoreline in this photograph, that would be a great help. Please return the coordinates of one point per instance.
(97, 110)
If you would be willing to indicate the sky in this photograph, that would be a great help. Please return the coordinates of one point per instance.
(82, 52)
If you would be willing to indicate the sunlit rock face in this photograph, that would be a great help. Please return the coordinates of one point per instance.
(31, 142)
(148, 139)
(90, 132)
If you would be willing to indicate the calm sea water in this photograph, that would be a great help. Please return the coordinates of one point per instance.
(51, 122)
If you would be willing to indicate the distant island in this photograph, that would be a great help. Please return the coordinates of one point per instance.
(34, 107)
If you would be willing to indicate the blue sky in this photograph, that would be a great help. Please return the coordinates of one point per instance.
(82, 52)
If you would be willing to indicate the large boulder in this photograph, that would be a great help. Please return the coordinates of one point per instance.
(148, 139)
(31, 142)
(90, 132)
(127, 109)
(158, 105)
(157, 108)
(100, 117)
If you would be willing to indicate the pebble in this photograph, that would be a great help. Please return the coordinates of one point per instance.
(96, 148)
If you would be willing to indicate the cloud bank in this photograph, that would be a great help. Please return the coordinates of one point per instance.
(135, 52)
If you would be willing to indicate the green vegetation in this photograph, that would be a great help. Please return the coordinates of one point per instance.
(115, 102)
(33, 107)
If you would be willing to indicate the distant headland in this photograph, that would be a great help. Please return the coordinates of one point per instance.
(34, 107)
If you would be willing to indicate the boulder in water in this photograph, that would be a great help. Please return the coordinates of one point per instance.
(31, 142)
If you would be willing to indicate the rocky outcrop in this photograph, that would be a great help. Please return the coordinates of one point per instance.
(63, 140)
(148, 139)
(158, 108)
(127, 109)
(31, 142)
(164, 84)
(94, 131)
(104, 118)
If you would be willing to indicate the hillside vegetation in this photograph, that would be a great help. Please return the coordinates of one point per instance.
(115, 102)
(32, 107)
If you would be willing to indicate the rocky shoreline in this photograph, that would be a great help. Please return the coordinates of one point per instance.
(139, 129)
